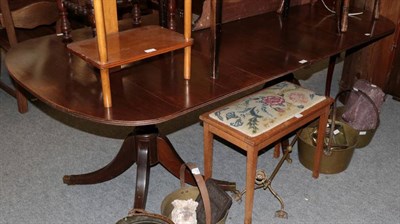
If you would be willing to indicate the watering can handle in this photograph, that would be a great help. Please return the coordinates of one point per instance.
(200, 184)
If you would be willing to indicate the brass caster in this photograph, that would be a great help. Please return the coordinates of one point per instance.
(289, 160)
(281, 214)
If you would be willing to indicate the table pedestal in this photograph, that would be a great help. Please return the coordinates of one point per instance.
(145, 146)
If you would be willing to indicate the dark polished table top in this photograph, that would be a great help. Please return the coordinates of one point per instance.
(253, 52)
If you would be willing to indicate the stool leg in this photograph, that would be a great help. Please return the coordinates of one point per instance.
(323, 120)
(251, 166)
(282, 144)
(208, 151)
(22, 102)
(277, 150)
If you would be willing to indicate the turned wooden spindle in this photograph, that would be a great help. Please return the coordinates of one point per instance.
(136, 13)
(162, 10)
(65, 27)
(90, 15)
(171, 14)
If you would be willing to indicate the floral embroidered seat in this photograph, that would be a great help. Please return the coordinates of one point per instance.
(259, 112)
(262, 119)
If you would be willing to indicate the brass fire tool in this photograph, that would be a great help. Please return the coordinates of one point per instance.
(262, 180)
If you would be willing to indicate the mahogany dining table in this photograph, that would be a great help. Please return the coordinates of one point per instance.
(252, 52)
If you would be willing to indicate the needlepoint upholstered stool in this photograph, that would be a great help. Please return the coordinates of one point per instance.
(263, 118)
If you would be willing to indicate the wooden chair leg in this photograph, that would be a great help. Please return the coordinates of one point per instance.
(187, 34)
(106, 23)
(22, 102)
(105, 85)
(187, 63)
